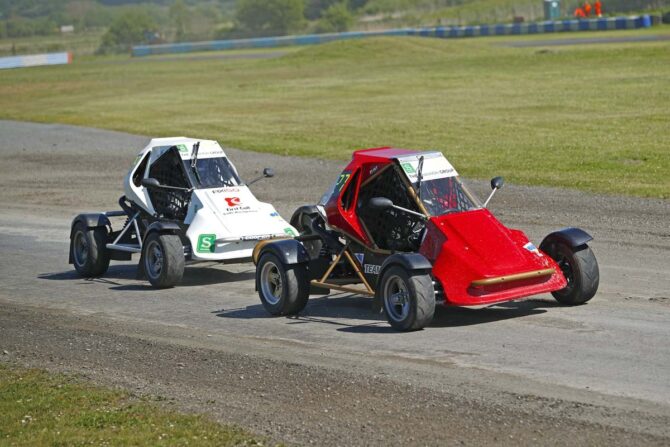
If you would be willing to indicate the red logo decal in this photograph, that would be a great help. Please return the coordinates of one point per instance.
(232, 201)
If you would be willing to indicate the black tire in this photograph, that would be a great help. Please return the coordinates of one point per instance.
(283, 289)
(89, 250)
(413, 309)
(163, 258)
(580, 268)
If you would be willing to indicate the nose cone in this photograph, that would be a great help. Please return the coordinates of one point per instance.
(478, 240)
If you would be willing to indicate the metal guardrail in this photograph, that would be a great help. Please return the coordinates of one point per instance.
(34, 60)
(602, 24)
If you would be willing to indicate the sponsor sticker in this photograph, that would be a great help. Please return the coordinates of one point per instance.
(289, 231)
(532, 248)
(206, 243)
(372, 269)
(226, 190)
(408, 168)
(232, 201)
(274, 214)
(360, 257)
(259, 237)
(341, 181)
(182, 148)
(435, 166)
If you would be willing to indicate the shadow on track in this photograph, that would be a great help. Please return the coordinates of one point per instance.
(335, 308)
(193, 276)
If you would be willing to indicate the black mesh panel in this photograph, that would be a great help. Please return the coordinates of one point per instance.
(169, 171)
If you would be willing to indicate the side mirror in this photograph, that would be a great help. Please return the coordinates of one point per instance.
(150, 183)
(267, 173)
(380, 203)
(497, 182)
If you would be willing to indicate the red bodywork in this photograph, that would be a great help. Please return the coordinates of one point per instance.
(473, 254)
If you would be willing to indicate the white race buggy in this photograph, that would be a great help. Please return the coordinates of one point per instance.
(184, 202)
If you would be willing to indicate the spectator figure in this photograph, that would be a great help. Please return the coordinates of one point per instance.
(579, 13)
(598, 6)
(587, 9)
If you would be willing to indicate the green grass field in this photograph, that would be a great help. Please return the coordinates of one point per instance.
(39, 409)
(588, 117)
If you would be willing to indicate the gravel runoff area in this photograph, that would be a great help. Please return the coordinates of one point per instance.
(529, 372)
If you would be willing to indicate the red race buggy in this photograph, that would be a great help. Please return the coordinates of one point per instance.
(400, 226)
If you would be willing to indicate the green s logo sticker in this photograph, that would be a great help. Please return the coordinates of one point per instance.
(206, 243)
(408, 168)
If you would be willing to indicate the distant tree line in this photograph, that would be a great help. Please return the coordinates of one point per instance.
(130, 22)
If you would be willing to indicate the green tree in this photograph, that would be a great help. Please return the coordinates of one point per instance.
(179, 16)
(315, 8)
(336, 18)
(128, 29)
(270, 17)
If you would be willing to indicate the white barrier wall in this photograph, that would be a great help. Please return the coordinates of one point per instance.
(35, 60)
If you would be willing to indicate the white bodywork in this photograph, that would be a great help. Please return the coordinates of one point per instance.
(224, 223)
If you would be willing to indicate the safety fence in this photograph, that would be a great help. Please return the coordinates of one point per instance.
(34, 60)
(601, 24)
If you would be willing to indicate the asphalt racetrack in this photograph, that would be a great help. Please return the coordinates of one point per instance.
(528, 372)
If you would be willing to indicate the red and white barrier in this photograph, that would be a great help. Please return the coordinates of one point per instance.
(34, 60)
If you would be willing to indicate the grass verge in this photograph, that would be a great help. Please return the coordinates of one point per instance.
(588, 117)
(40, 409)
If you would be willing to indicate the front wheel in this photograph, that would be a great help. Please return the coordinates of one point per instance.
(408, 299)
(580, 268)
(163, 257)
(283, 289)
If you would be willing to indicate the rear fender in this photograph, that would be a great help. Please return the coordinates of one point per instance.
(571, 236)
(412, 262)
(305, 209)
(163, 227)
(289, 251)
(89, 220)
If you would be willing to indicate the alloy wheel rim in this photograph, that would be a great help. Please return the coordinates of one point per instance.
(271, 283)
(155, 259)
(81, 248)
(568, 273)
(396, 297)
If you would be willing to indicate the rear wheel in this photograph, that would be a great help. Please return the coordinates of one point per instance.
(408, 299)
(283, 289)
(89, 251)
(163, 257)
(580, 268)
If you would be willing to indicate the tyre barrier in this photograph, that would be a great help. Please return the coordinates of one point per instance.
(35, 60)
(602, 24)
